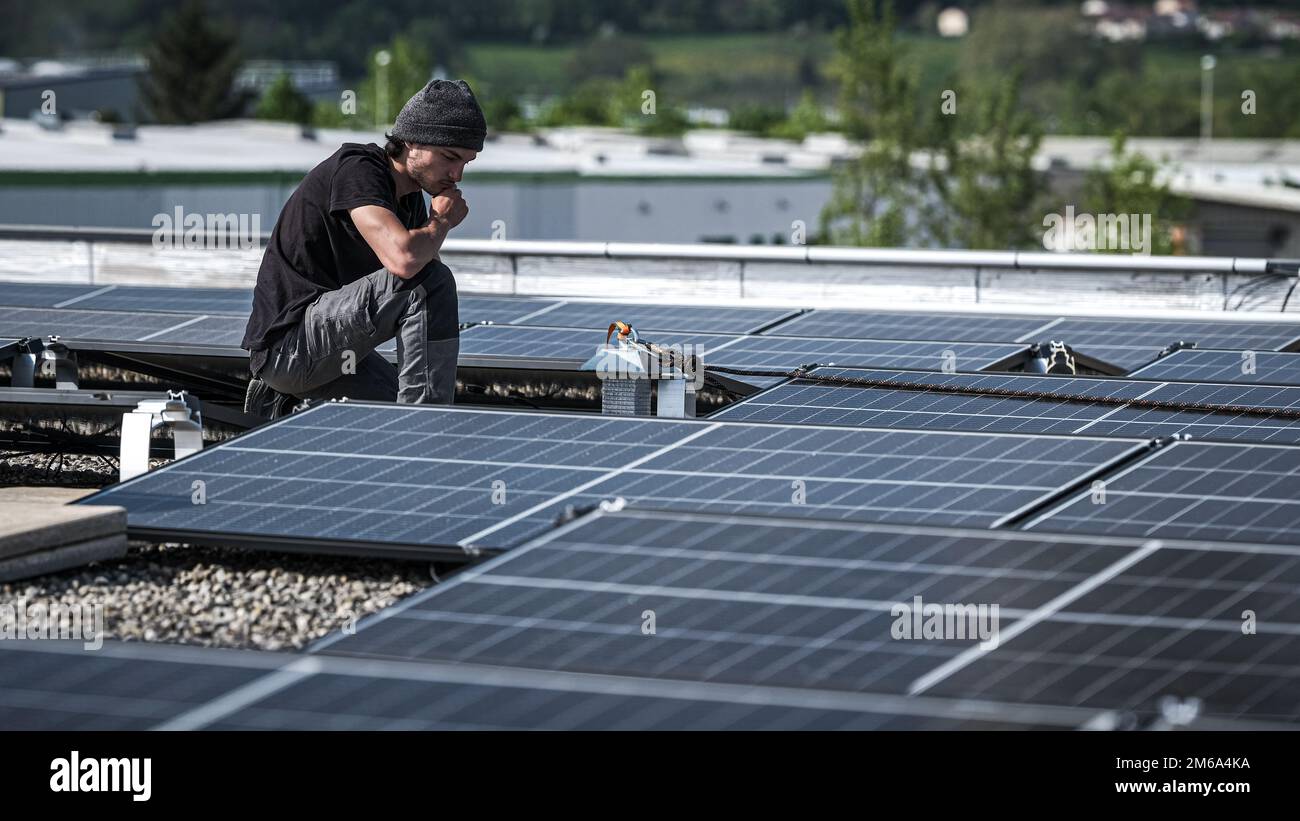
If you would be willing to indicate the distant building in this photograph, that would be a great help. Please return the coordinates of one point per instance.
(316, 79)
(574, 183)
(1118, 24)
(953, 22)
(74, 92)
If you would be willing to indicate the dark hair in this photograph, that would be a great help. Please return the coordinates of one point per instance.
(393, 147)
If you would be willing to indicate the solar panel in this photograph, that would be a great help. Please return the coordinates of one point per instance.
(955, 327)
(114, 326)
(1194, 365)
(219, 301)
(786, 353)
(42, 294)
(1159, 333)
(720, 319)
(135, 686)
(1132, 343)
(516, 345)
(809, 402)
(813, 607)
(46, 685)
(1193, 490)
(211, 301)
(1126, 343)
(501, 309)
(224, 331)
(424, 481)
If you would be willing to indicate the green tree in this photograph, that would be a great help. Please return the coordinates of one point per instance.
(594, 102)
(408, 68)
(192, 65)
(988, 193)
(633, 107)
(877, 196)
(1132, 183)
(284, 102)
(502, 112)
(804, 119)
(755, 118)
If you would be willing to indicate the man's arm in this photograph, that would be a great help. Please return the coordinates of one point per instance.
(405, 251)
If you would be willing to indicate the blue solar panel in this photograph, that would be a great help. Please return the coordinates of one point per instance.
(42, 294)
(209, 301)
(810, 402)
(422, 480)
(517, 344)
(720, 319)
(115, 326)
(951, 327)
(813, 607)
(135, 686)
(1133, 343)
(1254, 367)
(1123, 342)
(1193, 490)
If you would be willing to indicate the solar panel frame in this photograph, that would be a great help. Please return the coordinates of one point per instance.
(90, 325)
(540, 347)
(1146, 339)
(348, 463)
(974, 327)
(775, 602)
(163, 299)
(1215, 365)
(44, 294)
(1173, 484)
(44, 687)
(136, 686)
(224, 301)
(807, 402)
(526, 346)
(661, 317)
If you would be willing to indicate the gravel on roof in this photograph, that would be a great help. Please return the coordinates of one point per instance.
(211, 596)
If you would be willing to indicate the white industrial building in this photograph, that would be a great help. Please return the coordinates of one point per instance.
(588, 184)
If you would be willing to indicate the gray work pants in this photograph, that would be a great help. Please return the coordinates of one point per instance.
(331, 353)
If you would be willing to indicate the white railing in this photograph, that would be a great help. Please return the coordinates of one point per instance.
(800, 276)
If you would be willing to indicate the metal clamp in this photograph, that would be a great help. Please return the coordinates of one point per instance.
(48, 359)
(179, 411)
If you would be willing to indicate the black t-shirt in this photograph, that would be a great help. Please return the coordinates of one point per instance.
(315, 247)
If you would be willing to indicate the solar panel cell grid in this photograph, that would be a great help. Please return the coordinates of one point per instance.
(1094, 624)
(913, 325)
(381, 475)
(1258, 367)
(809, 402)
(1194, 490)
(721, 319)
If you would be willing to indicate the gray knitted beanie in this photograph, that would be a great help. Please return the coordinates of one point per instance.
(442, 113)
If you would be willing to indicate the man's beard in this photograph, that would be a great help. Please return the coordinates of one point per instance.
(430, 185)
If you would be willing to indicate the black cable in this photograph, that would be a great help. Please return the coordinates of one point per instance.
(1287, 298)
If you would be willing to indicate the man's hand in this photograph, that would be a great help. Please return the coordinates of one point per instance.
(448, 208)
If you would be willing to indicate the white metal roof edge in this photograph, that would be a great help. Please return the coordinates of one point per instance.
(756, 253)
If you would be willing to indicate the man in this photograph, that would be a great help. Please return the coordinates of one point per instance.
(353, 262)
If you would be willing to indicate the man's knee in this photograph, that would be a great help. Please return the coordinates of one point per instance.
(440, 304)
